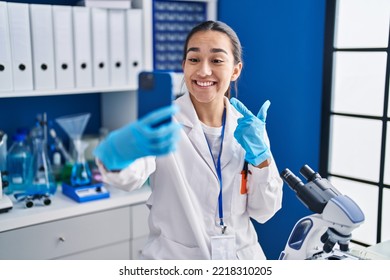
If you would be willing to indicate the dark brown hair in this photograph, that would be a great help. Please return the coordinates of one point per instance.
(223, 28)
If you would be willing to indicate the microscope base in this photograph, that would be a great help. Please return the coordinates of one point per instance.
(334, 255)
(5, 204)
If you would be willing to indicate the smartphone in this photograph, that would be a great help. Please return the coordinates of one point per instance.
(155, 90)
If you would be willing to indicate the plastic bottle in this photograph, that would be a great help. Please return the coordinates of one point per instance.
(18, 164)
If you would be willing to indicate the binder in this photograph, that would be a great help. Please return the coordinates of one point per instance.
(82, 47)
(63, 46)
(100, 47)
(19, 28)
(6, 83)
(42, 46)
(108, 4)
(134, 47)
(117, 45)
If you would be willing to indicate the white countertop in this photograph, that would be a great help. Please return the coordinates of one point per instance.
(62, 207)
(382, 249)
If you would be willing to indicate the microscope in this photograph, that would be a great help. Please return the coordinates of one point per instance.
(336, 216)
(5, 202)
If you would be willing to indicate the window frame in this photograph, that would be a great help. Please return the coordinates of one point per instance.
(327, 113)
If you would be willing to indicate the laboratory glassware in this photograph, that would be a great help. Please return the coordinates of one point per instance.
(18, 162)
(74, 126)
(3, 151)
(60, 146)
(81, 173)
(42, 176)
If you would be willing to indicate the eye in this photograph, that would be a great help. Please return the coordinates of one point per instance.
(193, 60)
(217, 61)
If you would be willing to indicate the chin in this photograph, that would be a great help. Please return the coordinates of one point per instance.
(203, 99)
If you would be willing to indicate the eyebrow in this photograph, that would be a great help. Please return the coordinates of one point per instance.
(214, 50)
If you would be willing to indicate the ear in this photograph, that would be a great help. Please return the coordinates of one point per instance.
(236, 71)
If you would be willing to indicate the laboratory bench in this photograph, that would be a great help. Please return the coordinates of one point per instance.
(109, 228)
(380, 251)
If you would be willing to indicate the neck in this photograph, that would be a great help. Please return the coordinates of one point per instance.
(210, 113)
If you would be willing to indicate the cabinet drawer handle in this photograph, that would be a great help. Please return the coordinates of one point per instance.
(62, 239)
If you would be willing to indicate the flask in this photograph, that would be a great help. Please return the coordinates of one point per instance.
(18, 162)
(81, 173)
(41, 172)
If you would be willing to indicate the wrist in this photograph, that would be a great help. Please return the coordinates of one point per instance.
(260, 159)
(265, 163)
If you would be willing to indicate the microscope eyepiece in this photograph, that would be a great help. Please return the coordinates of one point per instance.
(291, 180)
(315, 193)
(309, 173)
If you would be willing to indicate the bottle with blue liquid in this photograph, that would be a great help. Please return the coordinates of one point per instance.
(18, 164)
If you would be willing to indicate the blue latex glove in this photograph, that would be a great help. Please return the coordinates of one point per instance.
(250, 132)
(139, 139)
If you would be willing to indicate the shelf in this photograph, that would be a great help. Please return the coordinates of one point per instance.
(178, 81)
(36, 93)
(64, 207)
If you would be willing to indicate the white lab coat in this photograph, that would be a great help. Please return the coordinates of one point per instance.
(171, 236)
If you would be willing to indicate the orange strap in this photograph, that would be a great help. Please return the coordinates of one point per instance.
(244, 179)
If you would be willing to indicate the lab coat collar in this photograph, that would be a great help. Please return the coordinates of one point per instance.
(187, 117)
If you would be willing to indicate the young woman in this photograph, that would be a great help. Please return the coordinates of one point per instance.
(209, 149)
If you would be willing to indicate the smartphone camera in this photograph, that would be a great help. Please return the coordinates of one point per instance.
(146, 81)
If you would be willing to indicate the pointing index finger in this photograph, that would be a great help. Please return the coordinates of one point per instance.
(262, 114)
(240, 107)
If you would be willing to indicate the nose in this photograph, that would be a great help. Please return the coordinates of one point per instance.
(204, 69)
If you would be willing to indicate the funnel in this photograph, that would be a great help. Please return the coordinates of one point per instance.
(74, 125)
(80, 147)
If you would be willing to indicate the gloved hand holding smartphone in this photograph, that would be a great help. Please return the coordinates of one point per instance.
(139, 139)
(153, 134)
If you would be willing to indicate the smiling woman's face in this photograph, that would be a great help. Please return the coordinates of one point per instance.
(209, 66)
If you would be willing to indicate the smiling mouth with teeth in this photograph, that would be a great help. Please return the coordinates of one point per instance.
(204, 84)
